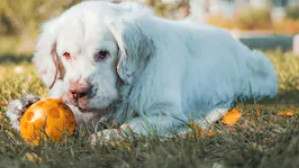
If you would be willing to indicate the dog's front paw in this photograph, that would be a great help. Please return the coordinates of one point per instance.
(105, 136)
(16, 108)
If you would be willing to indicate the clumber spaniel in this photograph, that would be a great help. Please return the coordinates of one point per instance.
(120, 63)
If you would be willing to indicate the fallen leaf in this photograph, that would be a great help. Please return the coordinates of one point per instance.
(200, 131)
(120, 145)
(286, 113)
(257, 112)
(232, 117)
(3, 103)
(257, 146)
(32, 157)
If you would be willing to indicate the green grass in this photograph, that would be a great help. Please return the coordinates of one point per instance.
(261, 138)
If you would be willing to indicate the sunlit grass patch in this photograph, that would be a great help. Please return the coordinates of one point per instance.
(17, 80)
(287, 67)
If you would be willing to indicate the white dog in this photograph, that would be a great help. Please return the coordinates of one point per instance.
(119, 62)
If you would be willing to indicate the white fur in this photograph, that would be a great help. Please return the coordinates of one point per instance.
(172, 70)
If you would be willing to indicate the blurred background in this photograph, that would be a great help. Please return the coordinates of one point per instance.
(264, 24)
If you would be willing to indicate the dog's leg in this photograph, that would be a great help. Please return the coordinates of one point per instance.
(16, 108)
(212, 117)
(154, 125)
(160, 120)
(161, 123)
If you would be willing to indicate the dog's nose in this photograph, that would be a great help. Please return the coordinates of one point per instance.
(80, 92)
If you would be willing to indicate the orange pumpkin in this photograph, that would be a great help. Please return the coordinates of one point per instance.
(47, 118)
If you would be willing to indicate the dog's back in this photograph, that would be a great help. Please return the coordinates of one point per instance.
(225, 70)
(212, 67)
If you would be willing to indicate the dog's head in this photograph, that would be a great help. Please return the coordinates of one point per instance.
(84, 54)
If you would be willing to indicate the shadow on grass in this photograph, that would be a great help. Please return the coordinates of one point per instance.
(290, 97)
(15, 58)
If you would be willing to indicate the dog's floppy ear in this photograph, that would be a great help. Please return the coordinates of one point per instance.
(47, 62)
(135, 49)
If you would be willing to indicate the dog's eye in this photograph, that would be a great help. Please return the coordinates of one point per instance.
(101, 55)
(67, 55)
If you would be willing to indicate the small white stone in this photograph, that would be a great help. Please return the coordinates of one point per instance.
(19, 69)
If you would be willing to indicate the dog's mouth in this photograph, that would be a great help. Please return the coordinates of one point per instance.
(89, 102)
(80, 97)
(86, 105)
(82, 103)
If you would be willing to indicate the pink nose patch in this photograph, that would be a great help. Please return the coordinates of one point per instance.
(79, 91)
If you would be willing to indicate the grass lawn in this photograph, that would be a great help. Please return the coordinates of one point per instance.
(261, 138)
